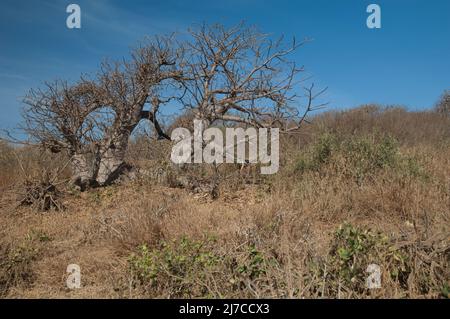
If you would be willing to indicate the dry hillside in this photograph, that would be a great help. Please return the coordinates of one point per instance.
(365, 186)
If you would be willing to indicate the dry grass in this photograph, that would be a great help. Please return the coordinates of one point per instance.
(346, 196)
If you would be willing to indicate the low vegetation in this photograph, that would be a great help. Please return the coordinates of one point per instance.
(355, 188)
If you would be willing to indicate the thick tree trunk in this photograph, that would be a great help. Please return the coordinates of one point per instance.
(104, 166)
(81, 171)
(112, 158)
(110, 167)
(108, 159)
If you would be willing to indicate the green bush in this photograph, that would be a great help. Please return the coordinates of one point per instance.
(366, 156)
(16, 265)
(178, 265)
(319, 154)
(353, 249)
(255, 265)
(189, 268)
(357, 157)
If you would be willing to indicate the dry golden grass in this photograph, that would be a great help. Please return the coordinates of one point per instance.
(287, 236)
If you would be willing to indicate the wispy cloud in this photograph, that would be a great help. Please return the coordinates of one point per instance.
(14, 76)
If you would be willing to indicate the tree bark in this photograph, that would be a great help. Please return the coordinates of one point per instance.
(81, 171)
(112, 158)
(104, 165)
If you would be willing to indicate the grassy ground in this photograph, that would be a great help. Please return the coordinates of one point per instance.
(367, 186)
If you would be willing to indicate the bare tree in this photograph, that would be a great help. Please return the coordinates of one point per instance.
(93, 119)
(241, 75)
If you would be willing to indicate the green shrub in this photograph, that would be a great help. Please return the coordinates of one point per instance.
(190, 268)
(318, 155)
(358, 157)
(364, 156)
(353, 249)
(255, 265)
(179, 266)
(16, 265)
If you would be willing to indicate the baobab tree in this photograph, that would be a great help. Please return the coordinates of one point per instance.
(92, 120)
(236, 75)
(243, 76)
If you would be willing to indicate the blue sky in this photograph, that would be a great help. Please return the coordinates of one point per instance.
(406, 62)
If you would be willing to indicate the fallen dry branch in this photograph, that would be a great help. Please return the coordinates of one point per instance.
(42, 196)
